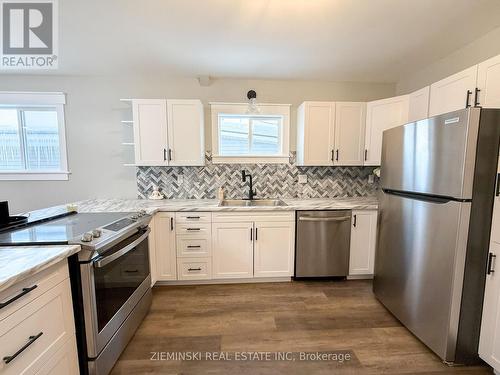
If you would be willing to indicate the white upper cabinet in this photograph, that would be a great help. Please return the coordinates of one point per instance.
(349, 134)
(488, 82)
(150, 131)
(315, 133)
(186, 139)
(177, 140)
(454, 92)
(419, 104)
(382, 115)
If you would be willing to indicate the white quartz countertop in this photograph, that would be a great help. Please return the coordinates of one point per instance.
(20, 262)
(130, 205)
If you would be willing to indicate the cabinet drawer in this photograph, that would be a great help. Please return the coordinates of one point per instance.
(41, 327)
(193, 247)
(194, 268)
(194, 229)
(29, 289)
(193, 217)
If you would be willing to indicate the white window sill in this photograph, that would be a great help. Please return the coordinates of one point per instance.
(250, 159)
(34, 176)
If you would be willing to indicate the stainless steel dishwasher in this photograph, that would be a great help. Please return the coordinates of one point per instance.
(323, 242)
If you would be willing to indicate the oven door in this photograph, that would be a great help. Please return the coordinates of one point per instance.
(112, 286)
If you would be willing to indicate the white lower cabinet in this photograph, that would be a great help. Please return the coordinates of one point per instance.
(489, 342)
(232, 246)
(363, 238)
(166, 259)
(274, 249)
(38, 337)
(254, 245)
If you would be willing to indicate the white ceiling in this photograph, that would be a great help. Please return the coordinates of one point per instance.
(342, 40)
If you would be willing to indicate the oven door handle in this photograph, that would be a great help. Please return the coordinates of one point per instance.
(101, 262)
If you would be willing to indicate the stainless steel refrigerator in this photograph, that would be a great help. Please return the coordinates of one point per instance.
(438, 179)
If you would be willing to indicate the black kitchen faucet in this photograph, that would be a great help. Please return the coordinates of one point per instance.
(251, 193)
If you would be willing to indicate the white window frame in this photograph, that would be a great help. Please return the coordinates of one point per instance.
(32, 100)
(271, 110)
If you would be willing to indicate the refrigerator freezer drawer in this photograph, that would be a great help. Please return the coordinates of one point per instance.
(419, 266)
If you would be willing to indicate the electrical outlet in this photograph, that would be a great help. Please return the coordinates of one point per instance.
(180, 179)
(302, 179)
(371, 179)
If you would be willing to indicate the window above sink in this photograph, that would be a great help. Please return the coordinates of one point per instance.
(243, 138)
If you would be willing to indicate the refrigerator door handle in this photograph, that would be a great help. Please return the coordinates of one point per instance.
(497, 192)
(491, 257)
(420, 197)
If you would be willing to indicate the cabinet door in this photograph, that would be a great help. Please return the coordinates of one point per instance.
(232, 250)
(152, 251)
(315, 137)
(454, 92)
(350, 121)
(150, 131)
(489, 342)
(274, 249)
(166, 260)
(488, 81)
(363, 237)
(495, 223)
(382, 115)
(186, 133)
(419, 104)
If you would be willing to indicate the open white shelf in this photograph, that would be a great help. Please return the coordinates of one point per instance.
(128, 143)
(127, 122)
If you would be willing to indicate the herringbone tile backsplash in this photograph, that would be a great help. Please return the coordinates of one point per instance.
(270, 181)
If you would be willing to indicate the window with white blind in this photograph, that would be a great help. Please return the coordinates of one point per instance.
(239, 137)
(32, 137)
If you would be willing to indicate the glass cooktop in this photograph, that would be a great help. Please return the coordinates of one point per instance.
(63, 230)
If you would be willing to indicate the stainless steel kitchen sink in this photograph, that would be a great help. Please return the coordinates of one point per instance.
(252, 203)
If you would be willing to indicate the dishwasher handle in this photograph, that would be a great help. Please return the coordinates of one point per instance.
(311, 218)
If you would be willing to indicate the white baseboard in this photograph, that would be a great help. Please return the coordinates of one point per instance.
(359, 277)
(226, 281)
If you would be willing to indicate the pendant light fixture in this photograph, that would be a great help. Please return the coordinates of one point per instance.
(253, 108)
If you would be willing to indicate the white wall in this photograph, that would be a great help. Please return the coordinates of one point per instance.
(481, 49)
(94, 132)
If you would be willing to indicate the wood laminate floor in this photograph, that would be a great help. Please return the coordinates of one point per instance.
(338, 317)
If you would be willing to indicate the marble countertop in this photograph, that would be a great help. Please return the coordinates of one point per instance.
(129, 205)
(20, 262)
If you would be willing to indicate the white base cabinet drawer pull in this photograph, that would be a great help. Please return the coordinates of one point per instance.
(31, 340)
(194, 269)
(16, 297)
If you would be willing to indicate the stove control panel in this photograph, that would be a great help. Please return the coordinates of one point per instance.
(94, 237)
